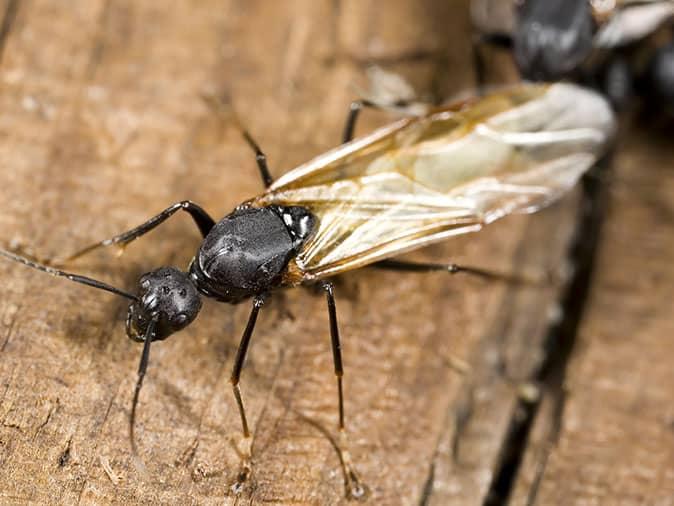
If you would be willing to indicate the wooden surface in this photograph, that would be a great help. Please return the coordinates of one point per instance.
(608, 437)
(103, 125)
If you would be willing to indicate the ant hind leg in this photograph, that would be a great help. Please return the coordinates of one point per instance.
(400, 265)
(354, 488)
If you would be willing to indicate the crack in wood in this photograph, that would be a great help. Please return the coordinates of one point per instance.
(14, 312)
(428, 486)
(560, 343)
(47, 419)
(8, 18)
(64, 458)
(99, 43)
(462, 414)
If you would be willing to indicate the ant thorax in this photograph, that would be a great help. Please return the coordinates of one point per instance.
(246, 253)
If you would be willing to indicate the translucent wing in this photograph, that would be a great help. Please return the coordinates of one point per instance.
(633, 21)
(626, 3)
(424, 179)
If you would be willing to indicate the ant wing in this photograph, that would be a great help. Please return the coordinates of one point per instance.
(633, 20)
(423, 179)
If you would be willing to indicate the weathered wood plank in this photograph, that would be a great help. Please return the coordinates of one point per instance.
(610, 441)
(103, 125)
(504, 361)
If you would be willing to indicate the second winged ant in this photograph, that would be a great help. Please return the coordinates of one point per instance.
(423, 179)
(610, 45)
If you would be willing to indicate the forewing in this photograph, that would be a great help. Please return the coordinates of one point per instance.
(633, 22)
(421, 180)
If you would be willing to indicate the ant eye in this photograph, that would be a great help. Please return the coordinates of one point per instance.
(182, 293)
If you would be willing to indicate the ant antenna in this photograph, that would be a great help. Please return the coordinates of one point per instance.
(72, 277)
(142, 368)
(149, 333)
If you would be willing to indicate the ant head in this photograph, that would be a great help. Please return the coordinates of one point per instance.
(166, 295)
(552, 38)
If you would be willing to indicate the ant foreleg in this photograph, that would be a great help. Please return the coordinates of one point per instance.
(142, 369)
(203, 221)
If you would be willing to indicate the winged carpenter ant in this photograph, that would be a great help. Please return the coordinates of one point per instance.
(609, 45)
(446, 171)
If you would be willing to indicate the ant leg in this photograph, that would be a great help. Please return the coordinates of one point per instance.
(224, 110)
(354, 488)
(258, 302)
(479, 66)
(400, 265)
(260, 158)
(200, 217)
(354, 111)
(142, 369)
(336, 348)
(358, 105)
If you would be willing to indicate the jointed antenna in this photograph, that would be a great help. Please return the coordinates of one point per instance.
(72, 277)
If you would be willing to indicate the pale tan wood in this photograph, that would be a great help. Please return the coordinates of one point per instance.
(609, 440)
(504, 360)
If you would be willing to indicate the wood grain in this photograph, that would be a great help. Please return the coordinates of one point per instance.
(609, 438)
(102, 126)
